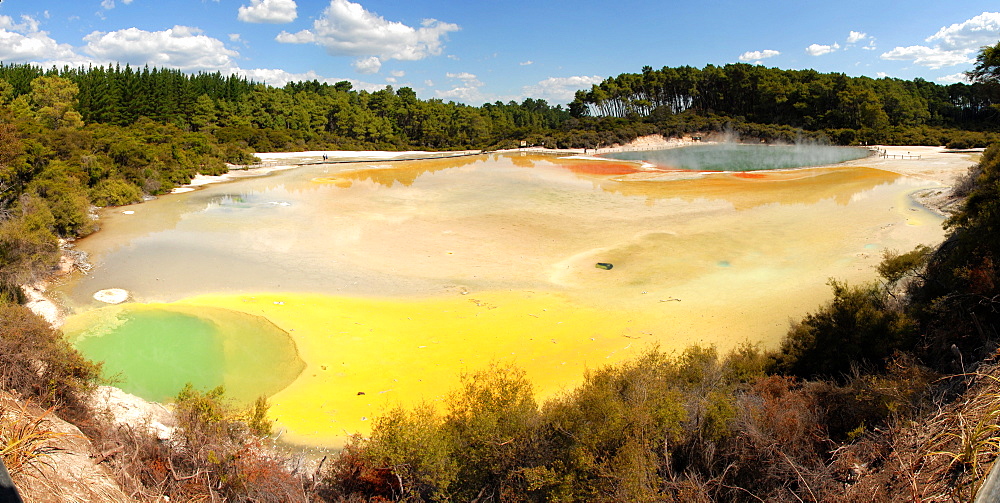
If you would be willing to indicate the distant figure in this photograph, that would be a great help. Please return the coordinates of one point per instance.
(325, 157)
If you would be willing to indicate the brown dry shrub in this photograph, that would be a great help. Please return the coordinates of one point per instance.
(214, 458)
(37, 363)
(780, 444)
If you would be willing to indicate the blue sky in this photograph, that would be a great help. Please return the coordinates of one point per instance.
(476, 51)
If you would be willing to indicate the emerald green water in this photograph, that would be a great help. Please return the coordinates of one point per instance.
(153, 350)
(736, 157)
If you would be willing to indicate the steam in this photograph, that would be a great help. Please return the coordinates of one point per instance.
(731, 156)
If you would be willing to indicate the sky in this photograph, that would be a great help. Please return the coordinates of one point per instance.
(479, 51)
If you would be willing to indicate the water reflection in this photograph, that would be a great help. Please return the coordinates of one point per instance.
(424, 227)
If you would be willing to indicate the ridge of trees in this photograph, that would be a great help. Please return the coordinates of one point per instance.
(752, 100)
(801, 98)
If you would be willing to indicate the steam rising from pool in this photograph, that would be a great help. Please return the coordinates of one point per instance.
(738, 157)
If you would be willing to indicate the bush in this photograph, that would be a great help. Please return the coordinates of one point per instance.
(857, 328)
(115, 192)
(38, 363)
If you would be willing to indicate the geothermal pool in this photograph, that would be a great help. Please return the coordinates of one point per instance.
(365, 285)
(743, 157)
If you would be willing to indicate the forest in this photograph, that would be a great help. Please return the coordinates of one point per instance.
(835, 413)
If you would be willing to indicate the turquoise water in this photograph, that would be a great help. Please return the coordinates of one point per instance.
(153, 351)
(736, 157)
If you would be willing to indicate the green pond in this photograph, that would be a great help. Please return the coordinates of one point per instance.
(153, 351)
(737, 157)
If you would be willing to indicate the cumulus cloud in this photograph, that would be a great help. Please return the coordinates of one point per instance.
(561, 89)
(180, 47)
(932, 57)
(819, 50)
(397, 73)
(955, 45)
(856, 36)
(526, 63)
(972, 34)
(758, 55)
(348, 29)
(367, 65)
(24, 42)
(467, 90)
(268, 11)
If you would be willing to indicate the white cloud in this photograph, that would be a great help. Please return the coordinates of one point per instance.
(278, 78)
(464, 94)
(856, 36)
(952, 79)
(23, 42)
(932, 57)
(971, 34)
(956, 44)
(758, 55)
(526, 63)
(110, 4)
(180, 47)
(881, 75)
(819, 50)
(465, 77)
(467, 91)
(397, 73)
(347, 29)
(561, 89)
(268, 11)
(367, 65)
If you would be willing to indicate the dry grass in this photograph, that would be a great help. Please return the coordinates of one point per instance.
(24, 437)
(942, 456)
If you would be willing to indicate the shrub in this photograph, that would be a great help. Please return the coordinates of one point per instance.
(115, 192)
(38, 363)
(857, 328)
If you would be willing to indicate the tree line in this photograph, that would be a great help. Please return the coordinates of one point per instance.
(801, 98)
(752, 100)
(298, 115)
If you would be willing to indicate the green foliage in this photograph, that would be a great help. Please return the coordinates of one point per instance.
(491, 416)
(612, 438)
(200, 412)
(987, 65)
(862, 109)
(896, 266)
(957, 302)
(256, 417)
(115, 192)
(66, 198)
(857, 328)
(28, 245)
(416, 448)
(54, 100)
